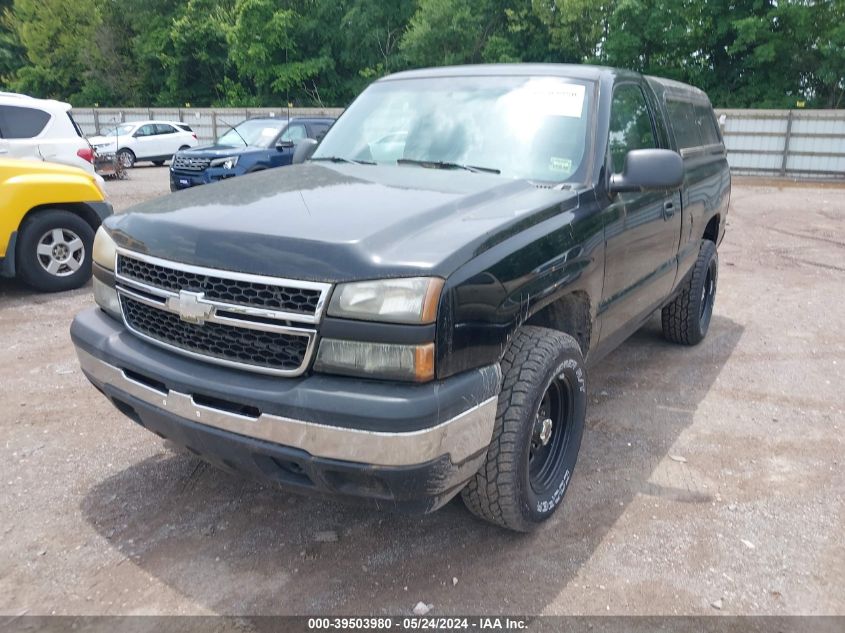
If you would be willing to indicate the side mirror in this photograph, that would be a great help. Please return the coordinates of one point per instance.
(304, 150)
(283, 145)
(649, 170)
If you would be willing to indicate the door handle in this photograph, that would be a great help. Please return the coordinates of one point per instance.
(668, 210)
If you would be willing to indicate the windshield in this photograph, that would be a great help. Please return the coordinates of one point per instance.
(253, 132)
(123, 129)
(522, 127)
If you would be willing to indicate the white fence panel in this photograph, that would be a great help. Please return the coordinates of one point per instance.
(805, 144)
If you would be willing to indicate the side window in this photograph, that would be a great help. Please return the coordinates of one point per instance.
(684, 124)
(21, 122)
(75, 125)
(319, 130)
(630, 124)
(295, 132)
(146, 130)
(163, 128)
(706, 121)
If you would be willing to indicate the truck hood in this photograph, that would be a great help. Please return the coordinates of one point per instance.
(219, 151)
(338, 222)
(101, 142)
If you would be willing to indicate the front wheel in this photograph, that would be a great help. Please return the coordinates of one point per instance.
(126, 158)
(54, 251)
(537, 435)
(687, 319)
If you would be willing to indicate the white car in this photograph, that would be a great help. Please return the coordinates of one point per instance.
(155, 141)
(42, 129)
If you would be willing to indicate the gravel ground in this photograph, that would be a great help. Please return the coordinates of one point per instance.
(707, 476)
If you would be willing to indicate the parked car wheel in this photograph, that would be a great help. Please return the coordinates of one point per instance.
(687, 319)
(126, 157)
(54, 251)
(537, 435)
(158, 163)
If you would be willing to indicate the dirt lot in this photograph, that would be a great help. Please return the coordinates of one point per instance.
(707, 475)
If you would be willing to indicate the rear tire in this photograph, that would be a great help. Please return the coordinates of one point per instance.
(126, 157)
(54, 251)
(537, 435)
(686, 320)
(158, 163)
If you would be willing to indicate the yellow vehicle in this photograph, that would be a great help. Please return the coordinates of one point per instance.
(48, 216)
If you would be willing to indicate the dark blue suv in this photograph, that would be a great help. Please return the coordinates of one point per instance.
(252, 145)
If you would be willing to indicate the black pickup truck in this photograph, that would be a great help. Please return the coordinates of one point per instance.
(411, 310)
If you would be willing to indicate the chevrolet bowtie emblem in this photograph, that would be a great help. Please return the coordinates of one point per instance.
(191, 307)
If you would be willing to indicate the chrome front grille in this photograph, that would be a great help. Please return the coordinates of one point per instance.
(270, 295)
(189, 163)
(251, 322)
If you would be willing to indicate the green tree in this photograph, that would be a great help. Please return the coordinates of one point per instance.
(196, 56)
(443, 32)
(53, 35)
(577, 28)
(11, 52)
(369, 40)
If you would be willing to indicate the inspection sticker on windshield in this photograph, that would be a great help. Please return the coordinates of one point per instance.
(560, 164)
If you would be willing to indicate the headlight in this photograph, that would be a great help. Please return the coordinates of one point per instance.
(225, 163)
(105, 250)
(409, 300)
(106, 298)
(376, 360)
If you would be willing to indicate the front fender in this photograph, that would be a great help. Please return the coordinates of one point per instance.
(24, 192)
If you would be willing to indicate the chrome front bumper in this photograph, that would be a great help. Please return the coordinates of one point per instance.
(460, 437)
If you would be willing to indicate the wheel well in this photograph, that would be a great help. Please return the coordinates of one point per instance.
(711, 231)
(569, 314)
(79, 208)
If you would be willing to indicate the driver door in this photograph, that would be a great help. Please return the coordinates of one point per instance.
(644, 228)
(146, 142)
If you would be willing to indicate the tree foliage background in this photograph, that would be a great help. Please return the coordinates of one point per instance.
(744, 53)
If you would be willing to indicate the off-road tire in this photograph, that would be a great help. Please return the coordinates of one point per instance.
(501, 492)
(686, 320)
(126, 157)
(29, 268)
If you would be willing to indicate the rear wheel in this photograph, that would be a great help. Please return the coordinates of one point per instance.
(158, 163)
(537, 435)
(126, 157)
(687, 319)
(54, 251)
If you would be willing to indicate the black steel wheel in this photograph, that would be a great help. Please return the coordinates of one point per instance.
(686, 319)
(552, 430)
(537, 433)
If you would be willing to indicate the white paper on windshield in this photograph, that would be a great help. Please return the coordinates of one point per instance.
(269, 131)
(547, 96)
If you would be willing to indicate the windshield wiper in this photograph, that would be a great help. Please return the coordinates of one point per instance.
(341, 159)
(439, 164)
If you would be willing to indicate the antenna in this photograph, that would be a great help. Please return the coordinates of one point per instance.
(287, 86)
